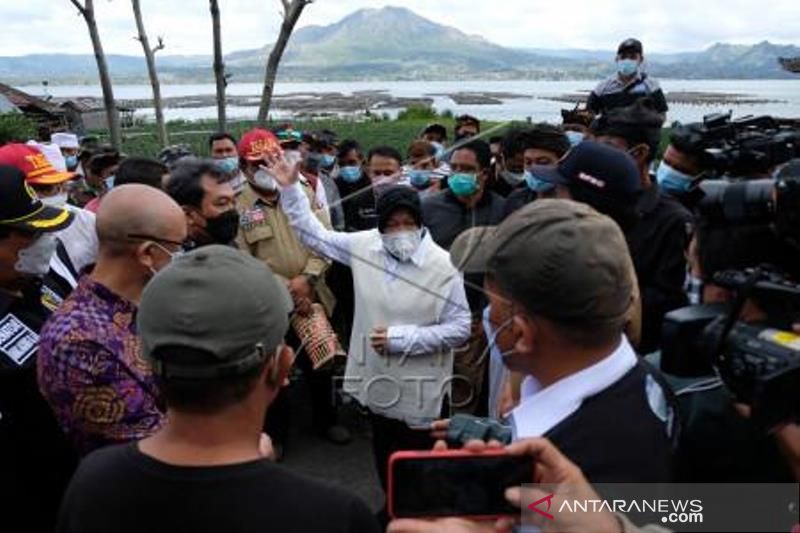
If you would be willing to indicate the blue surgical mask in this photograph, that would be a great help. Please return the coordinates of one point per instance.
(327, 160)
(575, 137)
(492, 333)
(537, 185)
(109, 181)
(439, 150)
(463, 184)
(627, 67)
(229, 165)
(350, 174)
(419, 178)
(512, 178)
(673, 181)
(71, 162)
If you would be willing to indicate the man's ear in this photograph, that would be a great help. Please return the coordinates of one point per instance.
(525, 331)
(641, 152)
(279, 366)
(144, 256)
(193, 217)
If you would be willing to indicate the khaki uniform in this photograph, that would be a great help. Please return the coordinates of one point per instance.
(265, 233)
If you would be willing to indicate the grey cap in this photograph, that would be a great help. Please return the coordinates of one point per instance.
(216, 299)
(559, 258)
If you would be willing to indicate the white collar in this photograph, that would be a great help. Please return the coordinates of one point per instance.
(418, 256)
(540, 410)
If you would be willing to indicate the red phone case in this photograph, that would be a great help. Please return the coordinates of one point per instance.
(399, 456)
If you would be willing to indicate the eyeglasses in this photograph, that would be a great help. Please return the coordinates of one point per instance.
(182, 246)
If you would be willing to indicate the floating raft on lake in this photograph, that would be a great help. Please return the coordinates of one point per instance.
(791, 64)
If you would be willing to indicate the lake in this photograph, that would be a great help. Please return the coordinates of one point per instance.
(787, 92)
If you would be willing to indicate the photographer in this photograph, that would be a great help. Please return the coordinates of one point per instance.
(659, 239)
(718, 444)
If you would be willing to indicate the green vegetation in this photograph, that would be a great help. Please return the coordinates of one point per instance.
(142, 140)
(16, 127)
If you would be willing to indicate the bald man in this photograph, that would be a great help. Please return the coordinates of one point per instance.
(89, 367)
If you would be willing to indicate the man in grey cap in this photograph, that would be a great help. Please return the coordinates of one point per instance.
(205, 470)
(560, 285)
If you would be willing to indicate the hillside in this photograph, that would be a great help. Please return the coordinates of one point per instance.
(395, 43)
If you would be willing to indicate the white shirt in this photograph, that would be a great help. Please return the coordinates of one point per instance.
(80, 242)
(540, 410)
(453, 329)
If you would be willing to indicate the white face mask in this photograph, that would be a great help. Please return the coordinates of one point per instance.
(35, 259)
(293, 156)
(57, 200)
(402, 244)
(264, 180)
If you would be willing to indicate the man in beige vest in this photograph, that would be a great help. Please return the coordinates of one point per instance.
(265, 234)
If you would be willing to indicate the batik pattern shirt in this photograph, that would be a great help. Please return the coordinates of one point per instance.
(91, 371)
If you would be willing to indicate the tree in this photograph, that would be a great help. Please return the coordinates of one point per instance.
(292, 9)
(219, 66)
(150, 58)
(86, 10)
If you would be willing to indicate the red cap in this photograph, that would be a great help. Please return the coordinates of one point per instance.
(32, 162)
(257, 143)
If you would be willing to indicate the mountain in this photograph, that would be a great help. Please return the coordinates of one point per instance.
(392, 40)
(394, 43)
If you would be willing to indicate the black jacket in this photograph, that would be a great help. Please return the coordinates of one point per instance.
(518, 199)
(358, 202)
(658, 244)
(446, 217)
(627, 433)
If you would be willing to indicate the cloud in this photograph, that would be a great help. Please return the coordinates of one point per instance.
(186, 25)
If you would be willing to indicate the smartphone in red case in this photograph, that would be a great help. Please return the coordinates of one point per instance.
(428, 484)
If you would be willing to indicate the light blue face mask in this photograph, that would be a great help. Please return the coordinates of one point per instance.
(419, 178)
(71, 161)
(327, 160)
(627, 67)
(575, 137)
(439, 150)
(463, 184)
(673, 181)
(350, 174)
(537, 185)
(109, 181)
(229, 165)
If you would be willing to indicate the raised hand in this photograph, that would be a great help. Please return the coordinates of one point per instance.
(282, 170)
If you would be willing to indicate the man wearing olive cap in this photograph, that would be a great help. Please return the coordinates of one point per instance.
(560, 286)
(206, 469)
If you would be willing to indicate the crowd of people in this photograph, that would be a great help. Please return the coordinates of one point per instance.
(153, 310)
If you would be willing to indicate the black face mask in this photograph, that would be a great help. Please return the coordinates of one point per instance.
(223, 228)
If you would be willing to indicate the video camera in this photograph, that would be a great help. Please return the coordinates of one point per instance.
(758, 362)
(748, 146)
(753, 219)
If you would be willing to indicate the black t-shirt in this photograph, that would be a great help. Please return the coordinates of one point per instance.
(123, 490)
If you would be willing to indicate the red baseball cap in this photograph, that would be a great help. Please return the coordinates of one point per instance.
(33, 163)
(257, 143)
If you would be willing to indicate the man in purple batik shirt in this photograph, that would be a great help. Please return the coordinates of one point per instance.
(89, 368)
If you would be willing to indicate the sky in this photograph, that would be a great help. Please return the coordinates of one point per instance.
(53, 26)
